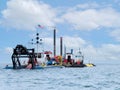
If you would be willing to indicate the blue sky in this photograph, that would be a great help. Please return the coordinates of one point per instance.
(92, 25)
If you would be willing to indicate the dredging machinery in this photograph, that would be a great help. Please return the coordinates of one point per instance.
(21, 51)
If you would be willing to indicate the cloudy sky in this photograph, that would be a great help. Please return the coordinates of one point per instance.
(92, 25)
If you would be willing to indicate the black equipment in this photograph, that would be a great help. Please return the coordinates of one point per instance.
(22, 52)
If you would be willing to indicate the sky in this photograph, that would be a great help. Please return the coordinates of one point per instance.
(91, 25)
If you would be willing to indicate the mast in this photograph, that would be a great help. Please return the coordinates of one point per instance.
(37, 42)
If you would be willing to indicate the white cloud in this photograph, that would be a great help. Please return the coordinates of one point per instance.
(110, 51)
(106, 52)
(26, 14)
(70, 43)
(85, 6)
(115, 34)
(92, 18)
(73, 42)
(9, 50)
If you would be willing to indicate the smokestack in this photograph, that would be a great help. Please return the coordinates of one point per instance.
(64, 51)
(71, 51)
(61, 47)
(54, 42)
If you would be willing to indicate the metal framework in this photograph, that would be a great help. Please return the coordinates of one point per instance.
(22, 52)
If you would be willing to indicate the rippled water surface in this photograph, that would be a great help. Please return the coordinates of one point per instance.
(101, 77)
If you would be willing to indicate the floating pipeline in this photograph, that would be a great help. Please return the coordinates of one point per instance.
(75, 66)
(90, 65)
(79, 65)
(36, 67)
(53, 66)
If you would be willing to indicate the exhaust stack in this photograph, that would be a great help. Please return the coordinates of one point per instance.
(54, 41)
(61, 47)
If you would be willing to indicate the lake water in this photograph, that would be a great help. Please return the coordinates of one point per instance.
(101, 77)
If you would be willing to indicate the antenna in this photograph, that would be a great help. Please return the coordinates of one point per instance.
(37, 42)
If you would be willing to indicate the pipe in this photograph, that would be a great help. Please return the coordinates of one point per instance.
(61, 47)
(54, 41)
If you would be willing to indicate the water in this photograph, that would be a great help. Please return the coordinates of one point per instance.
(101, 77)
